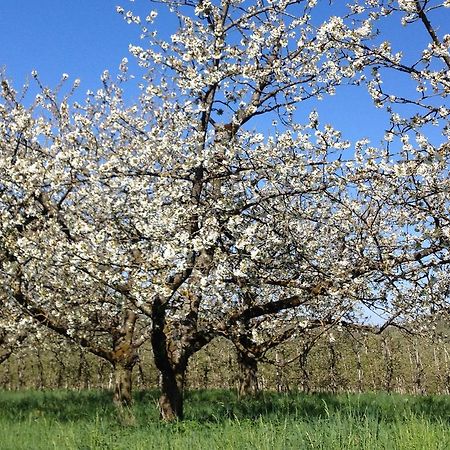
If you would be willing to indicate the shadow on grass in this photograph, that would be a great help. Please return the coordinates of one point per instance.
(204, 406)
(59, 405)
(216, 406)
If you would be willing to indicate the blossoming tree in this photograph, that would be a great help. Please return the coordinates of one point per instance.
(218, 201)
(54, 240)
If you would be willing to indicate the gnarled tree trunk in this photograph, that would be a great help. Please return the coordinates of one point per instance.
(122, 384)
(123, 360)
(171, 399)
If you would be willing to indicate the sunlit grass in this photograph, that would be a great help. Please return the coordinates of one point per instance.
(218, 420)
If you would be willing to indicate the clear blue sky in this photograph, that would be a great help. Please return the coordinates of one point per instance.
(78, 37)
(84, 37)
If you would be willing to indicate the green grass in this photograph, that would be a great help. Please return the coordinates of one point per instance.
(218, 420)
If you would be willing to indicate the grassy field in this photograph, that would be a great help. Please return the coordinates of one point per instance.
(218, 420)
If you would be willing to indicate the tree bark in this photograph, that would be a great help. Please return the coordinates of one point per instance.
(173, 344)
(389, 365)
(122, 385)
(303, 366)
(40, 369)
(335, 380)
(248, 374)
(123, 360)
(20, 374)
(171, 399)
(5, 355)
(141, 376)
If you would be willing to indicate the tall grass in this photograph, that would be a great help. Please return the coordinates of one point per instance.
(218, 420)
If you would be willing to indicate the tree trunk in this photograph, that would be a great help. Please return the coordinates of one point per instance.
(282, 385)
(171, 399)
(141, 376)
(81, 363)
(21, 374)
(40, 369)
(61, 370)
(303, 365)
(5, 355)
(122, 385)
(171, 382)
(101, 369)
(446, 378)
(123, 360)
(7, 378)
(419, 371)
(248, 374)
(333, 370)
(173, 345)
(389, 365)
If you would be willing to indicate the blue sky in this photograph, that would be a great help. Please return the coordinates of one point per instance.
(84, 37)
(81, 38)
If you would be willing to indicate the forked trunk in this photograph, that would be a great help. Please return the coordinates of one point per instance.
(171, 399)
(172, 349)
(248, 374)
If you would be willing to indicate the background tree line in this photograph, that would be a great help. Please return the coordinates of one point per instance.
(339, 361)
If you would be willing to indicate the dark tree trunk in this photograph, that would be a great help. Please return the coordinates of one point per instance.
(173, 345)
(5, 355)
(334, 379)
(248, 374)
(141, 376)
(61, 369)
(80, 370)
(40, 369)
(205, 380)
(7, 378)
(419, 372)
(171, 399)
(21, 374)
